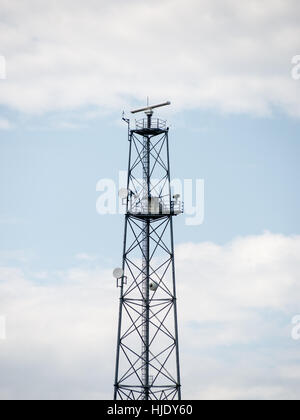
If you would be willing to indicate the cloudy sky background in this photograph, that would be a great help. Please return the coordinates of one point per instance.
(72, 68)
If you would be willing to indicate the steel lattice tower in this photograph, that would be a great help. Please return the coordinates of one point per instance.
(147, 359)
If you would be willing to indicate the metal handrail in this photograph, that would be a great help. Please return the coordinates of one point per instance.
(176, 207)
(156, 123)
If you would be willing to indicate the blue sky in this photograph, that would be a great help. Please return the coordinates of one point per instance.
(231, 70)
(48, 182)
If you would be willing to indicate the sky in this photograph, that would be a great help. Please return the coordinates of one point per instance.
(230, 70)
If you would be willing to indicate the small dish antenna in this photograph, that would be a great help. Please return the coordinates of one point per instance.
(118, 273)
(153, 286)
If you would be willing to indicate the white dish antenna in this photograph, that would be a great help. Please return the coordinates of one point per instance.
(153, 286)
(118, 273)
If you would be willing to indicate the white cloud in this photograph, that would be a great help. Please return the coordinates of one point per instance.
(236, 303)
(86, 257)
(60, 337)
(258, 272)
(41, 275)
(20, 256)
(5, 125)
(231, 56)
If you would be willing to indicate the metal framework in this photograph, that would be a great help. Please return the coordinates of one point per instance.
(147, 359)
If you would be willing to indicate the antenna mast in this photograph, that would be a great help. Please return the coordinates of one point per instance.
(147, 360)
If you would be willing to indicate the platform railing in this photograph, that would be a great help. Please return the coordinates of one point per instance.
(156, 124)
(176, 207)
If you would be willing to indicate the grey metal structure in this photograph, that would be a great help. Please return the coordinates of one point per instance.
(147, 359)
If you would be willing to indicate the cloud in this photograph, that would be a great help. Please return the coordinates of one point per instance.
(40, 275)
(5, 125)
(20, 256)
(230, 56)
(256, 272)
(86, 257)
(60, 337)
(236, 303)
